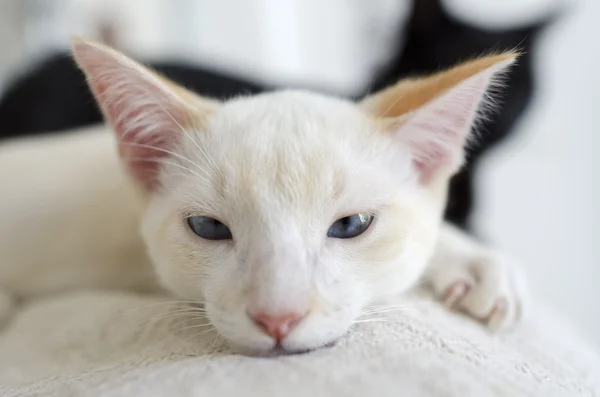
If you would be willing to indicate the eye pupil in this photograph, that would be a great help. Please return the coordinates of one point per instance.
(350, 226)
(209, 228)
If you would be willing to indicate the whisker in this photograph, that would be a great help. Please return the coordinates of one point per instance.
(190, 309)
(155, 319)
(189, 319)
(214, 344)
(177, 123)
(384, 306)
(385, 312)
(206, 156)
(197, 335)
(163, 161)
(164, 151)
(182, 302)
(385, 309)
(372, 320)
(196, 326)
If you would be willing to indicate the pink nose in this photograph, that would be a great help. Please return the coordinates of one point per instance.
(278, 327)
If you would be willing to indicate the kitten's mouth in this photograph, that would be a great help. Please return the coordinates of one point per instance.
(279, 350)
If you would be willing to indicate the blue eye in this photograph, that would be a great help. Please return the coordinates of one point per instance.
(209, 228)
(350, 226)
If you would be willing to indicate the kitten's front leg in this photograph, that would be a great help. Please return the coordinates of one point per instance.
(470, 277)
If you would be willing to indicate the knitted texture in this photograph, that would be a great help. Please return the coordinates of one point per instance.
(114, 344)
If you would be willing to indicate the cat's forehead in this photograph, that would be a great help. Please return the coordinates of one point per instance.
(293, 132)
(289, 149)
(288, 131)
(282, 99)
(289, 114)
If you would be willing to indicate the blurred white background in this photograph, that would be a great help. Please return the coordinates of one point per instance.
(539, 193)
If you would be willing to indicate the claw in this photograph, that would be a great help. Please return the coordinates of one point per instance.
(455, 293)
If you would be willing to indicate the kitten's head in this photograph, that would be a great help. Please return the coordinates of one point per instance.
(286, 213)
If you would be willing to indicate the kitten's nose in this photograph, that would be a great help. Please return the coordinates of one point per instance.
(277, 327)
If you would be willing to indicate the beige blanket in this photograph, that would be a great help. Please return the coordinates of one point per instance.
(112, 344)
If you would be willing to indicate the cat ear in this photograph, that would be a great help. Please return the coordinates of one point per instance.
(148, 113)
(434, 115)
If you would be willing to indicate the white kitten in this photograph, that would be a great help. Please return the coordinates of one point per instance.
(284, 213)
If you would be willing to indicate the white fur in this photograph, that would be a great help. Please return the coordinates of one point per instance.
(70, 216)
(278, 169)
(279, 157)
(489, 276)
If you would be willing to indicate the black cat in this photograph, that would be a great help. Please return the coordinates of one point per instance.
(54, 96)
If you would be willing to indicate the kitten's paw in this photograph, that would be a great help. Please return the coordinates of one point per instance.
(489, 287)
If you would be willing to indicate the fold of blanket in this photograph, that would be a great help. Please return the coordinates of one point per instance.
(113, 344)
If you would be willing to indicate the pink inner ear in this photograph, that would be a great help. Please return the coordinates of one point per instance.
(144, 129)
(437, 132)
(444, 126)
(144, 161)
(436, 157)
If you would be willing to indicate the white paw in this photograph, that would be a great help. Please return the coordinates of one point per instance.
(487, 286)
